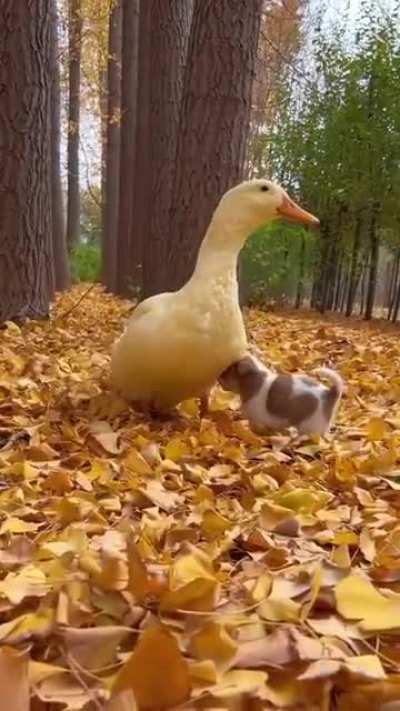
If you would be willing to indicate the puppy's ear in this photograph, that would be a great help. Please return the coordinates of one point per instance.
(246, 365)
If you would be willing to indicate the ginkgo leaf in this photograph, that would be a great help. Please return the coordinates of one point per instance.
(29, 582)
(95, 647)
(193, 584)
(357, 599)
(156, 671)
(14, 681)
(214, 643)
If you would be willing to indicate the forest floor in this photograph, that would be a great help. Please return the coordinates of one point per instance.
(192, 563)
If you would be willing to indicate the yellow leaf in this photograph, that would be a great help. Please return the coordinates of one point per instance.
(193, 584)
(142, 584)
(156, 671)
(113, 574)
(302, 500)
(367, 545)
(38, 671)
(279, 519)
(345, 538)
(367, 666)
(137, 463)
(341, 557)
(377, 429)
(280, 610)
(28, 582)
(315, 588)
(262, 588)
(176, 449)
(95, 647)
(203, 673)
(237, 683)
(17, 525)
(14, 683)
(213, 642)
(357, 599)
(214, 525)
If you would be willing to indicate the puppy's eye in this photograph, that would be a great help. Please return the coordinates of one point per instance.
(264, 188)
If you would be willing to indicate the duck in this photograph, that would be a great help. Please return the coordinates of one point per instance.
(176, 344)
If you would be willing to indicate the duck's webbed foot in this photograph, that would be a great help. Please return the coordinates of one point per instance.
(154, 411)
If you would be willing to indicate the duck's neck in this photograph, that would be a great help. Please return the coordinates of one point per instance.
(218, 255)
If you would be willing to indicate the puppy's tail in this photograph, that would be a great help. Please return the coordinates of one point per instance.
(337, 384)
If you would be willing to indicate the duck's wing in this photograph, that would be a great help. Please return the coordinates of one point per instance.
(145, 307)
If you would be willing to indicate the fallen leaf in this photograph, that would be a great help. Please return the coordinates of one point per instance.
(156, 672)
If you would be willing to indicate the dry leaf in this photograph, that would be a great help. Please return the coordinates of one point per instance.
(156, 672)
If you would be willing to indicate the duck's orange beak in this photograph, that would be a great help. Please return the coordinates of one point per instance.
(291, 211)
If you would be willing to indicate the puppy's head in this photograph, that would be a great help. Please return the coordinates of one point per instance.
(244, 377)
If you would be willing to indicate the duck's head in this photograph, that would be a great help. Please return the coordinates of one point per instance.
(253, 203)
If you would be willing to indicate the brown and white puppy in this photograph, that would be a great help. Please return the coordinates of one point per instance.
(271, 401)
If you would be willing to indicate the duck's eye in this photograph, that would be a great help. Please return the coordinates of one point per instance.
(264, 188)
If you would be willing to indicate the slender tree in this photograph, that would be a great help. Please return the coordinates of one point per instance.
(214, 122)
(26, 269)
(112, 159)
(75, 39)
(61, 270)
(128, 253)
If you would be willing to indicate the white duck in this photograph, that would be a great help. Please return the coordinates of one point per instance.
(177, 344)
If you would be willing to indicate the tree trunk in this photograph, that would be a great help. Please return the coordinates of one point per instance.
(354, 268)
(214, 122)
(110, 211)
(103, 106)
(169, 23)
(26, 270)
(396, 305)
(73, 206)
(61, 268)
(393, 285)
(339, 284)
(373, 267)
(128, 253)
(300, 283)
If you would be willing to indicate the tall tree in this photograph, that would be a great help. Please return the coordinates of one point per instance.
(26, 270)
(127, 258)
(112, 159)
(164, 41)
(74, 41)
(61, 270)
(214, 122)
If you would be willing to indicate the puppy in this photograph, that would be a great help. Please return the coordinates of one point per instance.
(274, 402)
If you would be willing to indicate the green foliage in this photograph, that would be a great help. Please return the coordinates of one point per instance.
(85, 259)
(86, 262)
(91, 215)
(336, 141)
(275, 259)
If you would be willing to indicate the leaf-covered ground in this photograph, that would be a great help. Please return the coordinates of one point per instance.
(192, 564)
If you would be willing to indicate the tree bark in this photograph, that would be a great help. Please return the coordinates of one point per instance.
(61, 267)
(74, 41)
(300, 283)
(169, 22)
(110, 205)
(26, 270)
(373, 265)
(354, 268)
(129, 253)
(214, 122)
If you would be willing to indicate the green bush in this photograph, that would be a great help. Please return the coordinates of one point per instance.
(85, 262)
